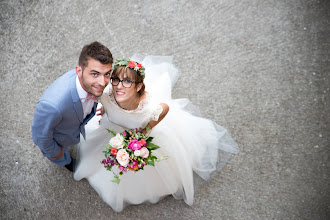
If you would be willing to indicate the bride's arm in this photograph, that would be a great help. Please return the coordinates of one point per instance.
(162, 115)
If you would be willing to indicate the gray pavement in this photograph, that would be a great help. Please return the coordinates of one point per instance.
(259, 68)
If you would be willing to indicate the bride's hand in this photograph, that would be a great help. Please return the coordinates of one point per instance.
(101, 109)
(147, 129)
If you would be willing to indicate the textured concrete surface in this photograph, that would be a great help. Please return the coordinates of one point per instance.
(259, 68)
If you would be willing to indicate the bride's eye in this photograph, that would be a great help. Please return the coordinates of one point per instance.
(128, 81)
(114, 81)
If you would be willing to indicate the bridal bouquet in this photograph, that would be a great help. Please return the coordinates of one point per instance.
(129, 150)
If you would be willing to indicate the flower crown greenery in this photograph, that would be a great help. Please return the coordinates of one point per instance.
(131, 64)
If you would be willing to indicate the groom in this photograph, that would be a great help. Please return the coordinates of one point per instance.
(69, 103)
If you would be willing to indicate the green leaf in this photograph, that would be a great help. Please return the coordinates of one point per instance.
(108, 147)
(149, 139)
(105, 153)
(151, 162)
(127, 133)
(152, 146)
(115, 179)
(111, 132)
(162, 158)
(124, 62)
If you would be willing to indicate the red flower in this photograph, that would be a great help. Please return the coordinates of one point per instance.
(113, 151)
(139, 65)
(143, 142)
(131, 64)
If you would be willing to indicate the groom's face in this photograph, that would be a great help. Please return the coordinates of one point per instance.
(94, 77)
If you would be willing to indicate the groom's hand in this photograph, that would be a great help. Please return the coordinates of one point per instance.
(59, 155)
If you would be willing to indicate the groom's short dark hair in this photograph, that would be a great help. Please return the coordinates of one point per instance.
(96, 51)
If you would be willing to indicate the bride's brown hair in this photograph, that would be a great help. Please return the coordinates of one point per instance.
(131, 74)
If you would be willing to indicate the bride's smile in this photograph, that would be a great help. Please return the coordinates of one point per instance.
(120, 93)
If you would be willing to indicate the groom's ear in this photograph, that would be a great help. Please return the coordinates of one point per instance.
(79, 71)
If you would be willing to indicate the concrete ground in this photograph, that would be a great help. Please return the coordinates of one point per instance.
(259, 68)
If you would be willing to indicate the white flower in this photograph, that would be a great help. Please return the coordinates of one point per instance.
(136, 68)
(137, 153)
(122, 157)
(117, 141)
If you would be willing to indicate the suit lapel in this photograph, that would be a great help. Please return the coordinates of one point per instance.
(78, 107)
(76, 100)
(79, 110)
(88, 117)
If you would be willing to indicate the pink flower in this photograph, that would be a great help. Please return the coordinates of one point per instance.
(139, 65)
(124, 133)
(144, 152)
(134, 145)
(131, 64)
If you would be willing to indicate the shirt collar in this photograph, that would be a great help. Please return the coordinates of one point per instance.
(81, 92)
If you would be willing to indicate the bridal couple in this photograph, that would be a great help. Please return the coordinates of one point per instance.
(101, 94)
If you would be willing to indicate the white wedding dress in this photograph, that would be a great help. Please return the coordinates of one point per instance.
(195, 146)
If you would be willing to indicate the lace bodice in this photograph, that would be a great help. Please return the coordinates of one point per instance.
(147, 110)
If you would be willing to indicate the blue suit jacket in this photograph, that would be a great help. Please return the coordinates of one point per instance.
(58, 118)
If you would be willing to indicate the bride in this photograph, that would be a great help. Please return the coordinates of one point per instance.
(140, 97)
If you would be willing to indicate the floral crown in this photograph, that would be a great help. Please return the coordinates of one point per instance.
(131, 64)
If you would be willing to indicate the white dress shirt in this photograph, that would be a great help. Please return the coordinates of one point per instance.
(87, 106)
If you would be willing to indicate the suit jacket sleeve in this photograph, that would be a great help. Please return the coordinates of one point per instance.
(46, 118)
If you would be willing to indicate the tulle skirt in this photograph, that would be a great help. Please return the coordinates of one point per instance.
(196, 148)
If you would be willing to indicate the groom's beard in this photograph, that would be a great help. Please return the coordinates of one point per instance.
(90, 88)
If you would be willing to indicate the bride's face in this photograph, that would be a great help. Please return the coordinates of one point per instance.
(123, 95)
